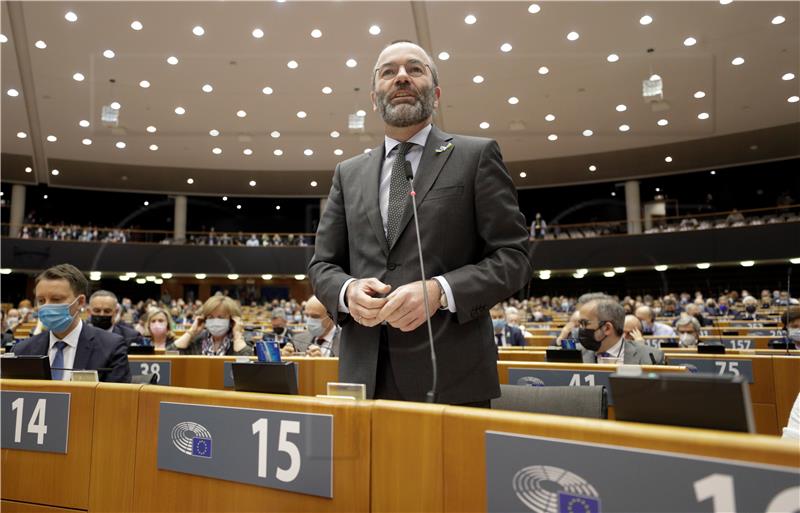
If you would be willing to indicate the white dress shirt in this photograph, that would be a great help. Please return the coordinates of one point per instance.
(616, 350)
(69, 351)
(325, 342)
(413, 156)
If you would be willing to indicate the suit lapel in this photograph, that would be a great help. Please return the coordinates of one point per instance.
(430, 165)
(85, 348)
(371, 181)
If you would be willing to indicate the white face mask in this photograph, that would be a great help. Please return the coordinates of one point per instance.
(218, 327)
(688, 339)
(794, 334)
(315, 327)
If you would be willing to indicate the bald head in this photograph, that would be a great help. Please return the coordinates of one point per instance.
(645, 314)
(314, 309)
(631, 323)
(406, 47)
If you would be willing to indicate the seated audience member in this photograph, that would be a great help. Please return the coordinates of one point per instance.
(26, 311)
(504, 334)
(792, 429)
(279, 330)
(791, 323)
(688, 328)
(649, 324)
(766, 299)
(669, 307)
(253, 242)
(538, 315)
(60, 295)
(217, 330)
(734, 217)
(570, 329)
(723, 306)
(513, 319)
(158, 329)
(105, 312)
(696, 311)
(602, 323)
(632, 329)
(321, 337)
(9, 322)
(749, 313)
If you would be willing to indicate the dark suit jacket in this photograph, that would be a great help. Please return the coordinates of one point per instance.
(473, 234)
(514, 336)
(97, 349)
(128, 333)
(635, 354)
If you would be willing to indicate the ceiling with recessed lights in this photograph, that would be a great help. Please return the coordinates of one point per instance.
(254, 97)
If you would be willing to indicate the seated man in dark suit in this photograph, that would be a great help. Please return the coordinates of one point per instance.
(71, 344)
(504, 335)
(321, 337)
(105, 310)
(601, 329)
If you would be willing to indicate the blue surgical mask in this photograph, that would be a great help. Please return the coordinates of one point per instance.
(498, 325)
(56, 318)
(315, 327)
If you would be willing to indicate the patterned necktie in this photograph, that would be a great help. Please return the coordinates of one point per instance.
(499, 337)
(399, 189)
(58, 361)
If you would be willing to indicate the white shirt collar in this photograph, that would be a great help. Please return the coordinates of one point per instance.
(616, 349)
(71, 339)
(420, 138)
(328, 337)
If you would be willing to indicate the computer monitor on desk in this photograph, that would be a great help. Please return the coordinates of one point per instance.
(705, 401)
(25, 367)
(269, 378)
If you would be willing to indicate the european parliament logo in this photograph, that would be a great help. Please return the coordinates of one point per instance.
(546, 489)
(191, 438)
(530, 381)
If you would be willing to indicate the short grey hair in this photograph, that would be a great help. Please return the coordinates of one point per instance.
(609, 310)
(593, 296)
(749, 299)
(104, 293)
(688, 319)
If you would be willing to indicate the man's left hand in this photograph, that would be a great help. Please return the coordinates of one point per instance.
(405, 308)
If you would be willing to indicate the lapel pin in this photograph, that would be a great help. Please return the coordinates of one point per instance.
(444, 147)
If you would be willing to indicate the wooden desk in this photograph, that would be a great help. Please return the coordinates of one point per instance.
(786, 370)
(207, 372)
(463, 444)
(166, 491)
(50, 479)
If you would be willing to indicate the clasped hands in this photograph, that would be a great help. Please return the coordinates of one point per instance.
(403, 308)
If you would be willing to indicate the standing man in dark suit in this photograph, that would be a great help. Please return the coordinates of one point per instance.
(504, 334)
(71, 344)
(474, 239)
(105, 312)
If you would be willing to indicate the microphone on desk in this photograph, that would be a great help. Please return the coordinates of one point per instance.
(431, 395)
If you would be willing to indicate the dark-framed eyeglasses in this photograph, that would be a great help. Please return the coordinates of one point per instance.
(584, 323)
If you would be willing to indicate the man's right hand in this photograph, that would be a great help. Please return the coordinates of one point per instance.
(363, 306)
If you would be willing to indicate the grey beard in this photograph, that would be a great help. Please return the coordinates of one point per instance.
(403, 115)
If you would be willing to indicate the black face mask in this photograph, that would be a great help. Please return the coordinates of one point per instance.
(278, 330)
(750, 308)
(102, 321)
(587, 340)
